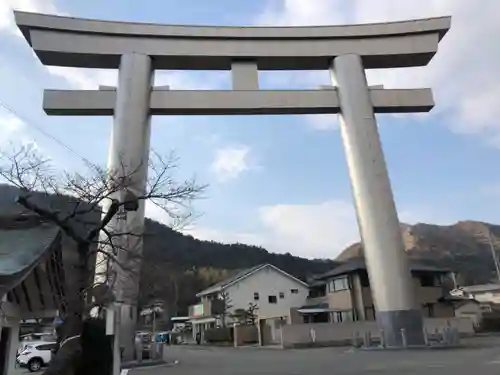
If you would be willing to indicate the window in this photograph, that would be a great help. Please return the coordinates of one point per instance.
(294, 291)
(255, 296)
(341, 283)
(46, 347)
(272, 299)
(427, 280)
(365, 281)
(429, 309)
(282, 295)
(341, 316)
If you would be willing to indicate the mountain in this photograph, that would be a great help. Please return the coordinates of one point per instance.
(177, 266)
(463, 247)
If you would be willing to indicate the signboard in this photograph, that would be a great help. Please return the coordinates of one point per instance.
(197, 311)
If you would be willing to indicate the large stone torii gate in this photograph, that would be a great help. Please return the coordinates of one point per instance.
(346, 51)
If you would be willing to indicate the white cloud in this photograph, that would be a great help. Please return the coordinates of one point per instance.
(85, 79)
(90, 79)
(300, 12)
(14, 130)
(323, 121)
(465, 72)
(7, 7)
(316, 230)
(230, 162)
(320, 230)
(9, 124)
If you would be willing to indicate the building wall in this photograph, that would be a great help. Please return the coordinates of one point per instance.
(327, 334)
(341, 300)
(427, 294)
(267, 282)
(470, 310)
(359, 299)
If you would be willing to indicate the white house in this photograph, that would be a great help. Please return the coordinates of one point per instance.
(485, 293)
(273, 290)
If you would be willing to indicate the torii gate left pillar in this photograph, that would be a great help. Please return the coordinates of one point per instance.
(129, 159)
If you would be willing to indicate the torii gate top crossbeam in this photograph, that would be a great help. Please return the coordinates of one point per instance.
(73, 42)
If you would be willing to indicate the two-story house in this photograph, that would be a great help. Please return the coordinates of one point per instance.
(343, 294)
(272, 290)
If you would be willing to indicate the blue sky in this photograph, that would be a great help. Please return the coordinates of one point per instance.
(281, 181)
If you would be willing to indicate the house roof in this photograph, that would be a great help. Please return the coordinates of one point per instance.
(480, 288)
(359, 263)
(240, 275)
(463, 302)
(23, 245)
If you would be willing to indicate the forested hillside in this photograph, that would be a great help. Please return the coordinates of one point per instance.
(177, 266)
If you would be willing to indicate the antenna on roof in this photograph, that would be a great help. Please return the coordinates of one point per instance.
(494, 253)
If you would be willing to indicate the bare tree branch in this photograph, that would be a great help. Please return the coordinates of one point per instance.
(89, 217)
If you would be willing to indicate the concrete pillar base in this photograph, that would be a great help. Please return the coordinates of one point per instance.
(402, 328)
(127, 331)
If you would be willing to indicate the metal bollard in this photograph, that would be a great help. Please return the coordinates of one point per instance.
(312, 334)
(437, 335)
(456, 336)
(382, 338)
(446, 335)
(366, 340)
(426, 337)
(403, 338)
(356, 340)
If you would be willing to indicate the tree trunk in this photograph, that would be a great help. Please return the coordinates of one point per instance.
(69, 355)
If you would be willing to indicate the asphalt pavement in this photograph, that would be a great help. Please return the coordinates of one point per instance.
(481, 357)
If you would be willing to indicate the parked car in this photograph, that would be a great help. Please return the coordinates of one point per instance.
(34, 338)
(36, 355)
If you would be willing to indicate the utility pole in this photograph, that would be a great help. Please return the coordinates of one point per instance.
(494, 253)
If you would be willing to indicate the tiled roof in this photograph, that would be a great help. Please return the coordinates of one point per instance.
(20, 248)
(355, 264)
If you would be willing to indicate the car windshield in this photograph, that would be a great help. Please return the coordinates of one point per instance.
(26, 348)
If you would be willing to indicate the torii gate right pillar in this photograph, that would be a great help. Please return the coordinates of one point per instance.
(387, 263)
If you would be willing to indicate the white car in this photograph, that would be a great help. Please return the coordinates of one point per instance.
(35, 355)
(35, 338)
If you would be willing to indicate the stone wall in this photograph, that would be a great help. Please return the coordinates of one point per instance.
(245, 335)
(339, 334)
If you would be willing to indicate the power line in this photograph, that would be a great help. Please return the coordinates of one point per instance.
(42, 131)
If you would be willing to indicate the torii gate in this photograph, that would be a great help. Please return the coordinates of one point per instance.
(346, 51)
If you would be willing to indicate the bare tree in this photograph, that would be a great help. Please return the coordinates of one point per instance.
(94, 200)
(246, 316)
(251, 312)
(226, 306)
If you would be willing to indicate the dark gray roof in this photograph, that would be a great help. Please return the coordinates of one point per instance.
(237, 275)
(22, 249)
(19, 248)
(356, 264)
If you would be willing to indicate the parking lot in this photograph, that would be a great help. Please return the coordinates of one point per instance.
(482, 358)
